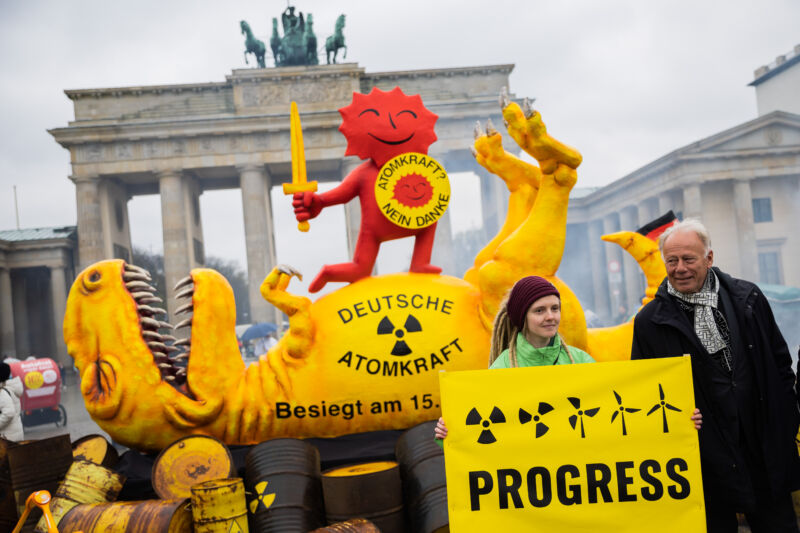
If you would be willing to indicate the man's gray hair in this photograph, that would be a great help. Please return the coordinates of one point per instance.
(690, 224)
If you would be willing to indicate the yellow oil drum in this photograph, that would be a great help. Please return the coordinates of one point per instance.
(219, 506)
(187, 462)
(97, 449)
(163, 516)
(85, 482)
(368, 490)
(356, 525)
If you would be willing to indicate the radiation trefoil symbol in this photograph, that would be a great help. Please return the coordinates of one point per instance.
(412, 325)
(525, 417)
(475, 418)
(262, 501)
(664, 406)
(573, 419)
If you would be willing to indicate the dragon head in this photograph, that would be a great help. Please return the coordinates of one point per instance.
(132, 374)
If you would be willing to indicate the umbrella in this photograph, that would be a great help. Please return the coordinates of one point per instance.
(256, 331)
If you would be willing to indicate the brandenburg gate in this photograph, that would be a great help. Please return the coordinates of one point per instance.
(180, 140)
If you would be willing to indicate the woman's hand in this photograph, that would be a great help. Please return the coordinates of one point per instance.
(696, 417)
(440, 431)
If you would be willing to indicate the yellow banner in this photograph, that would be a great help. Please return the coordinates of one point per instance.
(589, 447)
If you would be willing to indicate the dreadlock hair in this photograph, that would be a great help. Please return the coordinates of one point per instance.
(504, 336)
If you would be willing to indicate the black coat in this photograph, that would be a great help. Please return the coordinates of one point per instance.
(662, 329)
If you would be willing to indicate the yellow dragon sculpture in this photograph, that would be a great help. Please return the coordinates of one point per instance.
(363, 358)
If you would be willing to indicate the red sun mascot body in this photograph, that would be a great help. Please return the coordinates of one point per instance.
(378, 126)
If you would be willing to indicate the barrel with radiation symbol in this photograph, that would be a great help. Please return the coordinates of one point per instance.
(219, 506)
(282, 479)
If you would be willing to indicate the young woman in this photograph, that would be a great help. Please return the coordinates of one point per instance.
(525, 333)
(10, 410)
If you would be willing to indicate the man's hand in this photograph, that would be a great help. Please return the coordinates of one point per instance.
(307, 205)
(697, 418)
(440, 431)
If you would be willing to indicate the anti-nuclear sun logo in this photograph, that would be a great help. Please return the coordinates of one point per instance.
(412, 325)
(412, 190)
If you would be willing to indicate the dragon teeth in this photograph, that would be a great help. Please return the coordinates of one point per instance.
(157, 347)
(182, 342)
(171, 349)
(181, 357)
(165, 325)
(135, 276)
(184, 293)
(186, 308)
(140, 286)
(149, 322)
(169, 378)
(154, 335)
(168, 338)
(137, 269)
(184, 323)
(151, 310)
(183, 283)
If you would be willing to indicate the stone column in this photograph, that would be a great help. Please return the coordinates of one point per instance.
(743, 215)
(599, 270)
(634, 289)
(494, 202)
(58, 290)
(614, 253)
(7, 342)
(177, 244)
(692, 201)
(91, 234)
(259, 239)
(666, 202)
(20, 298)
(649, 211)
(352, 209)
(443, 255)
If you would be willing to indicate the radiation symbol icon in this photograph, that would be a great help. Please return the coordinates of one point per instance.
(262, 501)
(235, 528)
(474, 418)
(543, 409)
(411, 325)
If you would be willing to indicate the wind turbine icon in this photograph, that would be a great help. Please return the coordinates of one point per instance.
(664, 406)
(621, 412)
(576, 403)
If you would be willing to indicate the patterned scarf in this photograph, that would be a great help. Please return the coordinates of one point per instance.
(704, 302)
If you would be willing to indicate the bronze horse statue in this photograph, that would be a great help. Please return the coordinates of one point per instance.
(253, 45)
(336, 41)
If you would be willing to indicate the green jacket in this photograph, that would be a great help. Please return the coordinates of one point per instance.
(527, 355)
(553, 354)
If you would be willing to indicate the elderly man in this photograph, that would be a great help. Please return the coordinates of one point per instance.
(743, 382)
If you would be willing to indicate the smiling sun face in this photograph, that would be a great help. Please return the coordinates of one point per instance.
(413, 190)
(381, 125)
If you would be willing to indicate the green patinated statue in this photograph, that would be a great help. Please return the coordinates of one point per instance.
(298, 46)
(336, 41)
(253, 45)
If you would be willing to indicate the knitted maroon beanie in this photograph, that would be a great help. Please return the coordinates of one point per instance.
(525, 292)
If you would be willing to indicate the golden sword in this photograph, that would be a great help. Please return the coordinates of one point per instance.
(299, 180)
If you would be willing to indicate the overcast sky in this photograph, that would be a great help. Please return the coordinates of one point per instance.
(623, 81)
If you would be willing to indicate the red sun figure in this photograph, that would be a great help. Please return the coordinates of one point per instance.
(378, 126)
(413, 190)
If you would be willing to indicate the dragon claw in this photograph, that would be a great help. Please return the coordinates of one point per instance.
(473, 151)
(527, 107)
(504, 101)
(490, 129)
(478, 130)
(289, 271)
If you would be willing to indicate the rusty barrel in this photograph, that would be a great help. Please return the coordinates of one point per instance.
(187, 462)
(283, 477)
(85, 482)
(164, 516)
(368, 490)
(97, 449)
(424, 483)
(356, 525)
(219, 506)
(38, 465)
